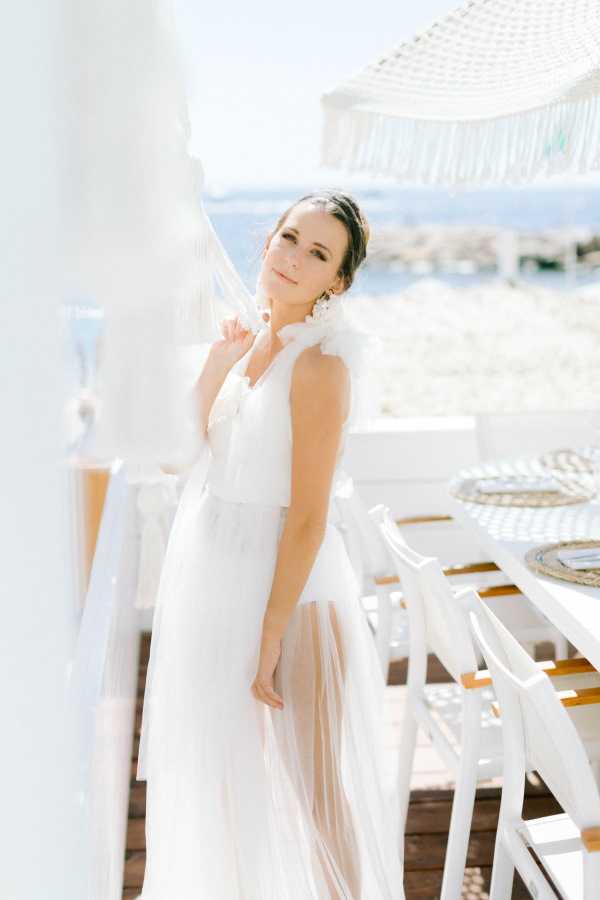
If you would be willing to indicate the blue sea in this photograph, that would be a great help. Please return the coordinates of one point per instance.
(242, 219)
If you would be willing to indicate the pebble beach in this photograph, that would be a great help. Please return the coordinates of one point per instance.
(485, 348)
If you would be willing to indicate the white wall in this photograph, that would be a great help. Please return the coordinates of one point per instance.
(39, 824)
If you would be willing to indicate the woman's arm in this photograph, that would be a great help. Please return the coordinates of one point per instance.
(208, 385)
(221, 357)
(206, 388)
(319, 397)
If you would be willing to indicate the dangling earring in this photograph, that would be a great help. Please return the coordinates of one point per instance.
(326, 307)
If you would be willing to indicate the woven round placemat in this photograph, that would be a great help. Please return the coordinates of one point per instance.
(468, 490)
(567, 460)
(544, 559)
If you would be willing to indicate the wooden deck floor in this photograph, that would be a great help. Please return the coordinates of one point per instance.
(428, 817)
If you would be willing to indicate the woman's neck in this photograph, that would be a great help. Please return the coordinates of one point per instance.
(282, 315)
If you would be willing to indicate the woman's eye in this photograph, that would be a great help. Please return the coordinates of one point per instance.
(292, 238)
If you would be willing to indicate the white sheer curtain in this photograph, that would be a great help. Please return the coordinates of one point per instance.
(143, 247)
(144, 250)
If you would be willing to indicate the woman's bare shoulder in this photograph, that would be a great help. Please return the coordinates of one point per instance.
(321, 379)
(314, 365)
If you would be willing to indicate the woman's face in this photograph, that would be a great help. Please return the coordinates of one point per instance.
(303, 257)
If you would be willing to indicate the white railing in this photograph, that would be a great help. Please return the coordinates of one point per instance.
(103, 689)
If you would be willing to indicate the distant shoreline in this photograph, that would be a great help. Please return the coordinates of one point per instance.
(452, 229)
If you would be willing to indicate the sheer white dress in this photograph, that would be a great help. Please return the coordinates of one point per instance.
(247, 802)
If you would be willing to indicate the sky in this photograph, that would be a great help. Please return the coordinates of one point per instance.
(256, 71)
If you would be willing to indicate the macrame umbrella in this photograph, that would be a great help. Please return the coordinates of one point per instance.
(498, 91)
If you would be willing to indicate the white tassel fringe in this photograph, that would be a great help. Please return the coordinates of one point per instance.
(514, 149)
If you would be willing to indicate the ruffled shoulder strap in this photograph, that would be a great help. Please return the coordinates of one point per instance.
(337, 336)
(353, 346)
(357, 349)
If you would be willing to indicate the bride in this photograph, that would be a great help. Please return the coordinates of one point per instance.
(261, 737)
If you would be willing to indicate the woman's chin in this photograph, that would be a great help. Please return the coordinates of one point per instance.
(277, 289)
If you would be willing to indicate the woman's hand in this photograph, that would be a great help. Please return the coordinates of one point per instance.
(236, 342)
(262, 686)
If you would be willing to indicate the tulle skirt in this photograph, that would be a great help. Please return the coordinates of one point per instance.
(247, 802)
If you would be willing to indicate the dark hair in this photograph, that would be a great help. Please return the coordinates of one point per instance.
(347, 211)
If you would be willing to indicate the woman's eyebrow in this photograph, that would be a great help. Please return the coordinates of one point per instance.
(289, 228)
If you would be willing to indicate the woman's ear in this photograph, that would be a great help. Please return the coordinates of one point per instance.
(338, 285)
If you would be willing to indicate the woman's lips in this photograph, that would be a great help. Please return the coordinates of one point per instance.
(281, 275)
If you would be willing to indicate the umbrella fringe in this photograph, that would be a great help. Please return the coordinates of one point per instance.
(512, 149)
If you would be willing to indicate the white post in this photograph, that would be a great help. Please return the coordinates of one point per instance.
(507, 253)
(570, 257)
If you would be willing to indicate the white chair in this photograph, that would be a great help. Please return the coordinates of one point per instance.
(532, 627)
(506, 435)
(376, 574)
(457, 716)
(381, 593)
(381, 590)
(555, 734)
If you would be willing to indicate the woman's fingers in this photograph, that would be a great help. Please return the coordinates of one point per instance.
(232, 329)
(267, 695)
(240, 332)
(274, 696)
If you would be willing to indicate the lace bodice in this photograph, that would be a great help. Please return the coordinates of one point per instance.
(249, 427)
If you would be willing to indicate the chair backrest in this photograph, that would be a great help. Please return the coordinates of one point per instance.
(535, 726)
(361, 533)
(434, 610)
(502, 435)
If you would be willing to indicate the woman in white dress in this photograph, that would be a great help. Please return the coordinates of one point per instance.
(261, 735)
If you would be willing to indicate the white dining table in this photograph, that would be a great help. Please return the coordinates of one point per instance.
(508, 532)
